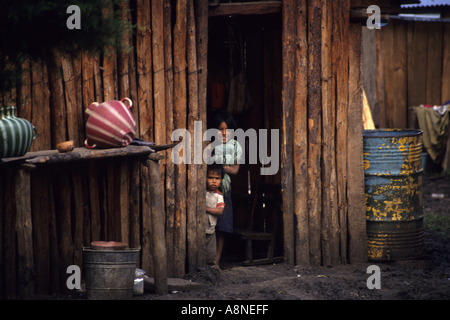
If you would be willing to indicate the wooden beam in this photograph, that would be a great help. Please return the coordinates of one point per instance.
(239, 8)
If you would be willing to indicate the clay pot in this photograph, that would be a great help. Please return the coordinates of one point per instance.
(16, 134)
(110, 124)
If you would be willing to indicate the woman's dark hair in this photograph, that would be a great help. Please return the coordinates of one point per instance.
(214, 167)
(224, 117)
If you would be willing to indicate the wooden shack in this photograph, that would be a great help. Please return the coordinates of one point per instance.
(406, 64)
(303, 63)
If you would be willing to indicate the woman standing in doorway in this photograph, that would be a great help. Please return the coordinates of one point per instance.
(229, 154)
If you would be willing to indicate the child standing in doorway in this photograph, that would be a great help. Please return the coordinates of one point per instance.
(229, 154)
(214, 208)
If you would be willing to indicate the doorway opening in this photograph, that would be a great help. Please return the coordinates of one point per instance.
(261, 58)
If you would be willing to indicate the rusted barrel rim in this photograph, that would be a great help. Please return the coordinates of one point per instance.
(391, 133)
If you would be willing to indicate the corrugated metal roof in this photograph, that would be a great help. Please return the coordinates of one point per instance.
(427, 3)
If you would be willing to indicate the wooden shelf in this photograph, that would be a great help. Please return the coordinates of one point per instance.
(53, 156)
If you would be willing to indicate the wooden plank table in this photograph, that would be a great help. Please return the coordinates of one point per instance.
(31, 160)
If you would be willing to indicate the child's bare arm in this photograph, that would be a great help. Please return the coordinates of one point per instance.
(215, 211)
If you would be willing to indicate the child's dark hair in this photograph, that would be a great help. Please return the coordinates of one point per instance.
(214, 167)
(224, 117)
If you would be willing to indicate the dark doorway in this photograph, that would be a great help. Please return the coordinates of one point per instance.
(262, 47)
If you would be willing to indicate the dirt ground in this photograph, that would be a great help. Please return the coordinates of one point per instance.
(423, 279)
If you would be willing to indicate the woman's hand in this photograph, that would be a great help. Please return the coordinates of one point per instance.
(231, 170)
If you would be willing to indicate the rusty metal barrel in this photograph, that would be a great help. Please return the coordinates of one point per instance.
(393, 194)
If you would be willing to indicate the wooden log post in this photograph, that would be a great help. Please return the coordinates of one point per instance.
(314, 130)
(288, 40)
(329, 225)
(340, 55)
(2, 244)
(71, 100)
(40, 117)
(79, 212)
(126, 82)
(434, 66)
(55, 272)
(24, 229)
(78, 85)
(24, 93)
(10, 239)
(135, 196)
(157, 7)
(63, 204)
(300, 138)
(388, 65)
(39, 208)
(145, 97)
(109, 68)
(356, 205)
(124, 196)
(380, 78)
(158, 223)
(158, 70)
(417, 68)
(335, 226)
(170, 167)
(123, 55)
(400, 76)
(192, 223)
(179, 122)
(202, 62)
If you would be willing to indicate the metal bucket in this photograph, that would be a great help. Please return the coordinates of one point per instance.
(109, 274)
(393, 194)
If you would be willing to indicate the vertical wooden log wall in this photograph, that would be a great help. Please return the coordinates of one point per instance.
(322, 124)
(412, 69)
(321, 154)
(74, 204)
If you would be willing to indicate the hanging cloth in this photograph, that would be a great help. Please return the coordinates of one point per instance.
(239, 99)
